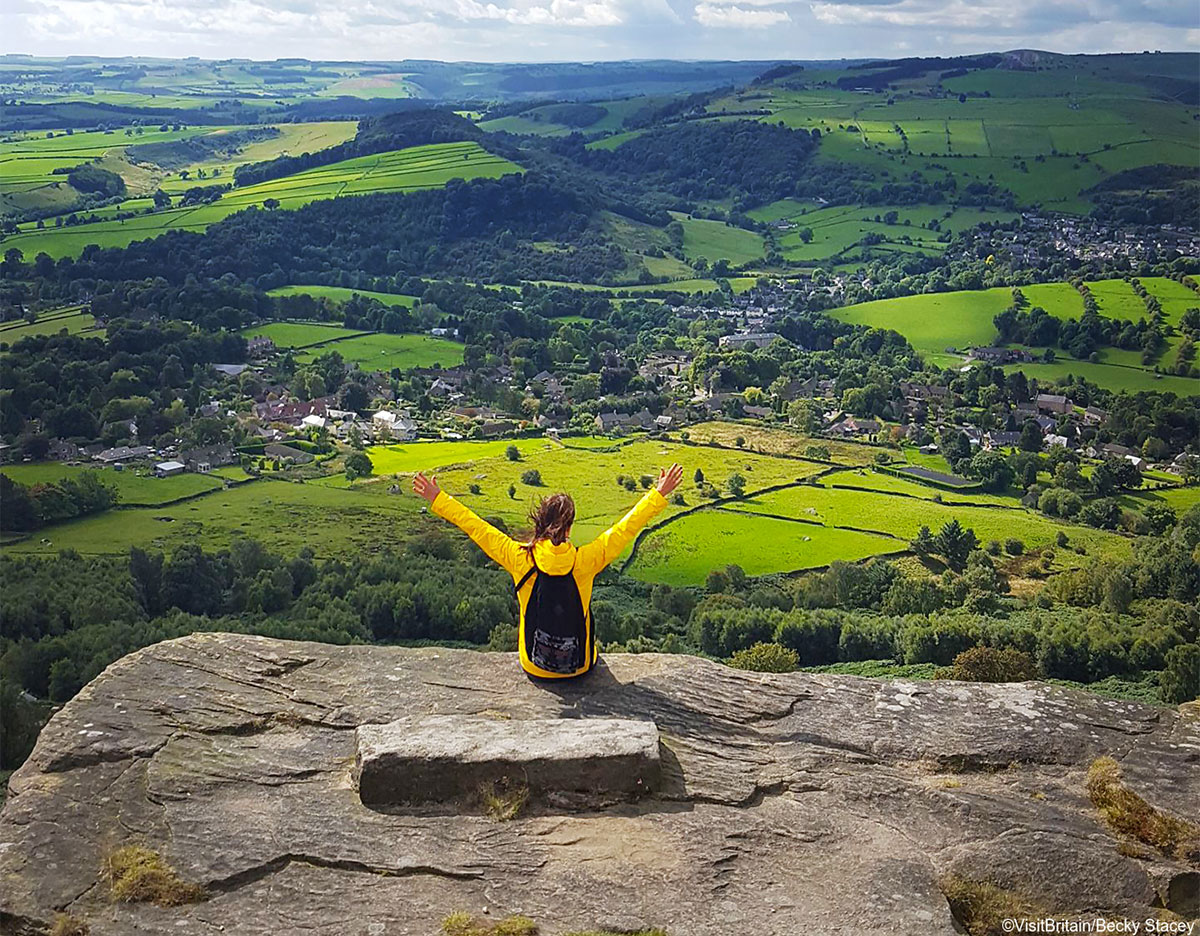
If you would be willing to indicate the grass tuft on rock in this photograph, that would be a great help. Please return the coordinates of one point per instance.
(137, 874)
(503, 800)
(461, 923)
(1129, 814)
(67, 925)
(981, 908)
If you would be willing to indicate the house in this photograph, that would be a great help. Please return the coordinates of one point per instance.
(6, 453)
(259, 345)
(62, 450)
(608, 422)
(747, 340)
(444, 332)
(285, 453)
(1045, 423)
(168, 468)
(123, 453)
(207, 458)
(1054, 403)
(1093, 415)
(122, 427)
(1052, 440)
(1138, 462)
(1000, 440)
(974, 435)
(663, 422)
(490, 429)
(1113, 450)
(313, 421)
(397, 426)
(757, 412)
(928, 449)
(995, 355)
(851, 427)
(231, 370)
(208, 410)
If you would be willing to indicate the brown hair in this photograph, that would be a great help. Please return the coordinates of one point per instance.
(551, 519)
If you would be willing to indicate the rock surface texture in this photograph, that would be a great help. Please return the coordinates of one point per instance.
(787, 804)
(447, 758)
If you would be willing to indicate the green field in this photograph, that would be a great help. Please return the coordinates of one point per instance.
(380, 351)
(299, 334)
(73, 320)
(133, 488)
(837, 231)
(599, 499)
(683, 552)
(904, 516)
(285, 516)
(418, 167)
(340, 294)
(716, 240)
(934, 322)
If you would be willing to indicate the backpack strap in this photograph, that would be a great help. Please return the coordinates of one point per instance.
(525, 577)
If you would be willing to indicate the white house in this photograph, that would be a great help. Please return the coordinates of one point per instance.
(168, 468)
(313, 421)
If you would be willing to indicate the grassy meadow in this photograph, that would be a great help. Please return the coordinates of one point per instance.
(418, 167)
(73, 320)
(141, 489)
(338, 295)
(380, 351)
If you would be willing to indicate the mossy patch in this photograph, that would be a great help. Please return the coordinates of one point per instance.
(981, 908)
(461, 923)
(1128, 814)
(67, 925)
(503, 800)
(137, 874)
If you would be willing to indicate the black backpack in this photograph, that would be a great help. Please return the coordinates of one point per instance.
(555, 629)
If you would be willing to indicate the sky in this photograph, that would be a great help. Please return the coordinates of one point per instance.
(591, 30)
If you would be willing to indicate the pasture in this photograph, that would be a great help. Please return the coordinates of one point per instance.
(339, 295)
(600, 499)
(299, 334)
(716, 240)
(381, 351)
(134, 488)
(418, 167)
(73, 320)
(285, 516)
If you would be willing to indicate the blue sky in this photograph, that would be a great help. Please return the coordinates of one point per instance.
(574, 30)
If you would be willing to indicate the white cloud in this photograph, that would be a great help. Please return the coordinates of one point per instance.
(714, 15)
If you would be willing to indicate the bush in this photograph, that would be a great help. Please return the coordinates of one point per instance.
(765, 658)
(532, 477)
(1014, 547)
(1062, 539)
(1180, 680)
(991, 664)
(474, 489)
(993, 547)
(512, 453)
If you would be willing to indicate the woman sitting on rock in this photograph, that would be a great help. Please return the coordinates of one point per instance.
(553, 578)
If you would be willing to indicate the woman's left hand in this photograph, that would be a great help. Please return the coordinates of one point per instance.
(426, 487)
(669, 479)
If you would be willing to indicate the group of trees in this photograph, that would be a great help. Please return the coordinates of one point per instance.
(24, 508)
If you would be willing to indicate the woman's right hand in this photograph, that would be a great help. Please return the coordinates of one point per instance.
(426, 487)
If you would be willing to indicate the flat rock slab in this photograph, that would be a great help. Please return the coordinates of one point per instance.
(436, 758)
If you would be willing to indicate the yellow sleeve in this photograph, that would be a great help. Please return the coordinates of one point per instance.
(500, 547)
(608, 545)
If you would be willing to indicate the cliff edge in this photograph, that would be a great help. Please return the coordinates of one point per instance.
(787, 804)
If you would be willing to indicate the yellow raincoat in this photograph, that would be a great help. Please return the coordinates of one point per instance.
(587, 560)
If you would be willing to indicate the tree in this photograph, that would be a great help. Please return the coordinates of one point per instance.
(993, 665)
(992, 469)
(698, 477)
(1180, 679)
(736, 484)
(358, 465)
(1031, 437)
(954, 543)
(512, 453)
(806, 235)
(532, 477)
(512, 490)
(925, 542)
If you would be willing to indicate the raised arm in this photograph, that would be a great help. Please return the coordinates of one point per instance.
(611, 543)
(499, 546)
